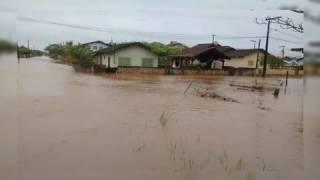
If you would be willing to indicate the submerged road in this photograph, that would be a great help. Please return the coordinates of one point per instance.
(60, 125)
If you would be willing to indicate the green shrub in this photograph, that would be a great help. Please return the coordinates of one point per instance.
(82, 55)
(55, 51)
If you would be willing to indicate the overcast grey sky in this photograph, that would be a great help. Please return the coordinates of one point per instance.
(190, 22)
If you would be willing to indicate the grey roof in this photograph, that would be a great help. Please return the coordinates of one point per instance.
(295, 61)
(117, 47)
(101, 42)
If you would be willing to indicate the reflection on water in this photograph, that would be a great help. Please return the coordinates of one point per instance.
(66, 125)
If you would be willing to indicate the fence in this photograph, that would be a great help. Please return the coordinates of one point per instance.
(217, 72)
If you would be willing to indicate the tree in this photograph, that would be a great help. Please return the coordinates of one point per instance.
(274, 61)
(78, 53)
(24, 51)
(82, 55)
(164, 51)
(55, 50)
(7, 46)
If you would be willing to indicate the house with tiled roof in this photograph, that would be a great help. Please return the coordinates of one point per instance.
(209, 55)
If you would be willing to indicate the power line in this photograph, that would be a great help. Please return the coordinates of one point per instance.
(157, 34)
(287, 34)
(116, 31)
(254, 37)
(288, 41)
(239, 37)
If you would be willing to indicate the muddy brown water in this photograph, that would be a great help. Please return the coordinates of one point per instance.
(60, 125)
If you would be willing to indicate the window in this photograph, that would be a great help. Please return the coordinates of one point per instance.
(124, 61)
(94, 47)
(250, 63)
(147, 62)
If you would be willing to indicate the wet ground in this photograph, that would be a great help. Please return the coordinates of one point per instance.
(60, 125)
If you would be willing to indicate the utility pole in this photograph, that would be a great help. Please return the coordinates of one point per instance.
(264, 71)
(28, 43)
(258, 53)
(213, 35)
(18, 57)
(283, 47)
(254, 45)
(285, 24)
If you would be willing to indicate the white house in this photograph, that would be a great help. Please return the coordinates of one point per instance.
(96, 45)
(127, 55)
(294, 62)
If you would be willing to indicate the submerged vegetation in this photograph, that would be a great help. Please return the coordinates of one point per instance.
(55, 51)
(76, 54)
(82, 55)
(27, 52)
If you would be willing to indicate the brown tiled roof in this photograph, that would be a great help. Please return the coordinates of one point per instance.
(242, 52)
(202, 48)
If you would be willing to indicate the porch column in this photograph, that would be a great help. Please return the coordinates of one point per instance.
(108, 62)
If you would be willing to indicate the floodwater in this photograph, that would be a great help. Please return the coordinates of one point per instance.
(60, 125)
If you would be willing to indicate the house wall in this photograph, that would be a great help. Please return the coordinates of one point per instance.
(104, 60)
(163, 71)
(216, 65)
(136, 54)
(96, 44)
(243, 62)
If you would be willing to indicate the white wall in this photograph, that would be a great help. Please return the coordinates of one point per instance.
(104, 60)
(136, 54)
(216, 65)
(243, 62)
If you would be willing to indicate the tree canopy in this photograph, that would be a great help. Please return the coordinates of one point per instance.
(80, 54)
(55, 50)
(7, 46)
(164, 51)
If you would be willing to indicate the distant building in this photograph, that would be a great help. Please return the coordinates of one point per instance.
(127, 55)
(96, 45)
(250, 61)
(294, 61)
